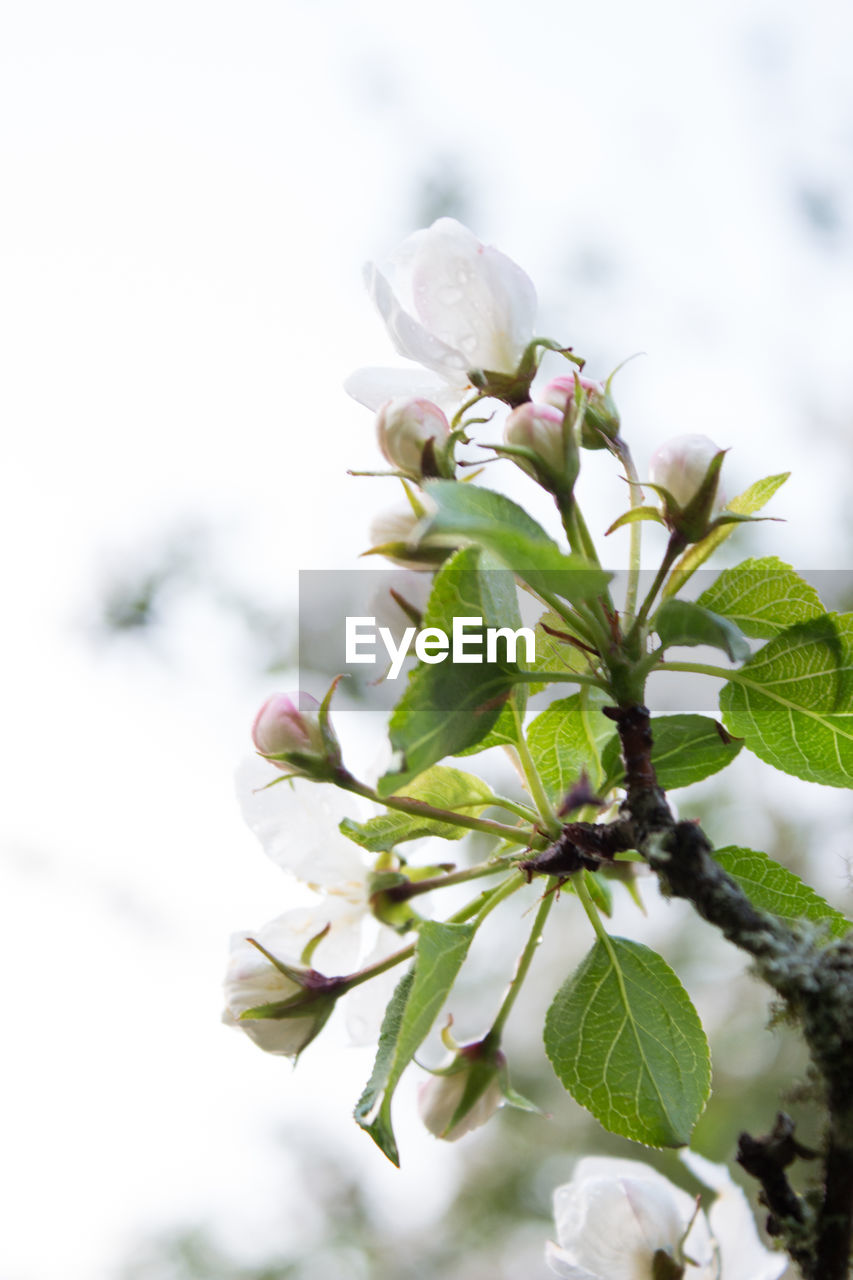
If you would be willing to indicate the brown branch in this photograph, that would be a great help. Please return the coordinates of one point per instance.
(813, 975)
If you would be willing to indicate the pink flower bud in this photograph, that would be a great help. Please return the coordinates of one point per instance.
(681, 464)
(601, 417)
(404, 426)
(287, 730)
(558, 390)
(537, 427)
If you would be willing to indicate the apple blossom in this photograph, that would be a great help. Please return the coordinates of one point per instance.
(558, 391)
(289, 732)
(392, 533)
(681, 464)
(742, 1255)
(601, 417)
(253, 980)
(622, 1220)
(297, 824)
(456, 305)
(615, 1217)
(405, 427)
(465, 1093)
(539, 428)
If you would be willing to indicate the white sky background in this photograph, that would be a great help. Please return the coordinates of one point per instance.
(189, 192)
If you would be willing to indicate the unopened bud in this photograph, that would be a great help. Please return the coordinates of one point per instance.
(254, 982)
(601, 417)
(465, 1094)
(289, 731)
(681, 464)
(408, 426)
(539, 428)
(392, 535)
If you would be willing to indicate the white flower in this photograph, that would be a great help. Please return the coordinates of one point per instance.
(615, 1215)
(297, 824)
(252, 980)
(742, 1255)
(679, 465)
(439, 1098)
(455, 305)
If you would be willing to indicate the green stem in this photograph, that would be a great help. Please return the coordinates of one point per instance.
(510, 886)
(531, 775)
(581, 543)
(565, 677)
(420, 809)
(675, 546)
(403, 892)
(501, 802)
(479, 907)
(700, 668)
(525, 959)
(578, 619)
(636, 529)
(590, 908)
(460, 412)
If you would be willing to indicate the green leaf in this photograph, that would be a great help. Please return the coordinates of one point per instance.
(448, 706)
(415, 1005)
(685, 749)
(567, 738)
(495, 522)
(503, 733)
(763, 597)
(774, 888)
(625, 1040)
(635, 514)
(553, 653)
(793, 701)
(745, 504)
(439, 786)
(683, 622)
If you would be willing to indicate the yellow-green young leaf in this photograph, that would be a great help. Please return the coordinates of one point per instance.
(685, 749)
(445, 788)
(495, 522)
(793, 701)
(449, 706)
(416, 1003)
(774, 888)
(566, 739)
(745, 504)
(625, 1040)
(763, 597)
(553, 653)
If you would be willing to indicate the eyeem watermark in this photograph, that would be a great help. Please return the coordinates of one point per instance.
(468, 641)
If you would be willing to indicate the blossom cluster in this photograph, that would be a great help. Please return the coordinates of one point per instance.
(463, 315)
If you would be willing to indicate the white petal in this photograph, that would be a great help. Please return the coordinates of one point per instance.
(297, 821)
(561, 1264)
(366, 1004)
(374, 387)
(252, 980)
(473, 297)
(409, 336)
(340, 949)
(614, 1215)
(743, 1255)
